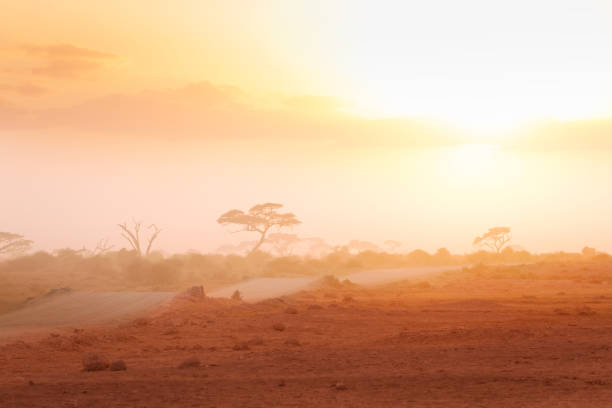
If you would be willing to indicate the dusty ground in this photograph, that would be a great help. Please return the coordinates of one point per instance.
(453, 341)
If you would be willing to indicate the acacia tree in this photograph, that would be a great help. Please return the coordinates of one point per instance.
(13, 243)
(133, 236)
(496, 239)
(260, 218)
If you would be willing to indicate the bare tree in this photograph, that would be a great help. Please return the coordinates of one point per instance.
(260, 218)
(496, 239)
(11, 244)
(133, 236)
(102, 247)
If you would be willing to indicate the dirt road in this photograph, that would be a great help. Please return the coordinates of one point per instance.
(87, 308)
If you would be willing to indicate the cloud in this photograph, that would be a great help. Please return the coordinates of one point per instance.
(66, 68)
(65, 51)
(204, 111)
(25, 89)
(65, 60)
(208, 112)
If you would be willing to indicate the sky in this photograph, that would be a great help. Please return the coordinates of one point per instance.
(423, 122)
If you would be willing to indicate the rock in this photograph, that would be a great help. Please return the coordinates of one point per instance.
(237, 295)
(281, 383)
(315, 307)
(192, 362)
(340, 386)
(196, 292)
(279, 327)
(118, 365)
(94, 362)
(291, 310)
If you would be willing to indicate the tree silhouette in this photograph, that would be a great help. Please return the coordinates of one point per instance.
(496, 238)
(260, 218)
(133, 236)
(13, 243)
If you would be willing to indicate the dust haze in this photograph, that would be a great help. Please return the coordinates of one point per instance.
(300, 203)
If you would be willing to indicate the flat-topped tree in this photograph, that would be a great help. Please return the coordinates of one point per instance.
(260, 218)
(496, 238)
(11, 244)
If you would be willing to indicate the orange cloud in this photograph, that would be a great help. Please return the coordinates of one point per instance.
(65, 51)
(66, 68)
(65, 60)
(207, 112)
(25, 89)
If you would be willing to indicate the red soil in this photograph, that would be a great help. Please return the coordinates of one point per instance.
(449, 343)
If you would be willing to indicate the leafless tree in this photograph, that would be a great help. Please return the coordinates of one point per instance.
(102, 247)
(496, 239)
(11, 244)
(260, 218)
(133, 236)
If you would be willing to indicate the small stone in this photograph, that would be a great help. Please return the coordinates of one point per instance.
(94, 362)
(291, 310)
(279, 327)
(340, 386)
(118, 365)
(192, 362)
(281, 383)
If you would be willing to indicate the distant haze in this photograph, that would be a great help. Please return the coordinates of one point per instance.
(422, 122)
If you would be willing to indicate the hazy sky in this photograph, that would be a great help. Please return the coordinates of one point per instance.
(425, 122)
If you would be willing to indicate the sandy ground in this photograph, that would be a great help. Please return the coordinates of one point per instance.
(80, 308)
(264, 288)
(441, 343)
